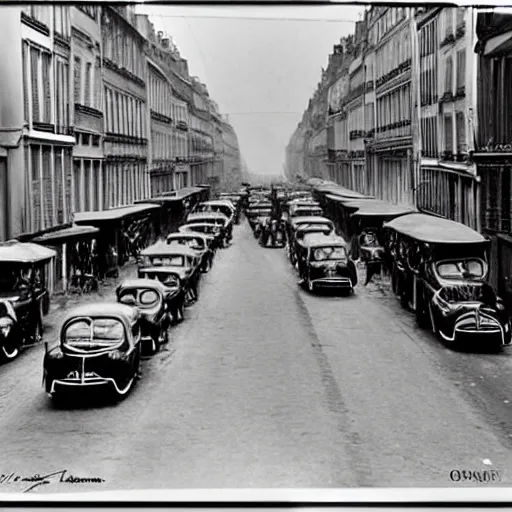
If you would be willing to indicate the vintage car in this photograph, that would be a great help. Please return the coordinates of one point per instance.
(292, 224)
(223, 206)
(439, 270)
(155, 303)
(211, 232)
(324, 263)
(257, 211)
(301, 231)
(272, 232)
(366, 231)
(196, 242)
(301, 209)
(172, 266)
(236, 201)
(219, 219)
(100, 345)
(24, 295)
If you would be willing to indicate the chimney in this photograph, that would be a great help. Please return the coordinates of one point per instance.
(159, 37)
(165, 43)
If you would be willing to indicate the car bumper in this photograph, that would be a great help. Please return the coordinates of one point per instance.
(333, 282)
(486, 326)
(77, 371)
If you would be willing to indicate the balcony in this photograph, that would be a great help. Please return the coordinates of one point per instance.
(88, 118)
(394, 73)
(449, 39)
(393, 130)
(182, 125)
(447, 97)
(461, 92)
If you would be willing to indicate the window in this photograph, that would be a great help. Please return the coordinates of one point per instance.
(26, 69)
(88, 79)
(448, 22)
(61, 20)
(461, 69)
(448, 133)
(78, 79)
(461, 133)
(448, 81)
(61, 92)
(35, 76)
(90, 10)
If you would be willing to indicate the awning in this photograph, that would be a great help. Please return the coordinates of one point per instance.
(20, 252)
(64, 235)
(498, 45)
(113, 214)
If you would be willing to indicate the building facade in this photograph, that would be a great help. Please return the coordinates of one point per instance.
(447, 184)
(92, 103)
(231, 178)
(87, 108)
(493, 151)
(127, 120)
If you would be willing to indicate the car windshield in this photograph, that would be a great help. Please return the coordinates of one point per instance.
(329, 254)
(98, 329)
(461, 269)
(193, 243)
(14, 279)
(210, 229)
(172, 260)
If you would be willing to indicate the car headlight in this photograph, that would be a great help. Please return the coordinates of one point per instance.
(5, 329)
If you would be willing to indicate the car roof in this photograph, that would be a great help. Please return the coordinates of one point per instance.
(142, 283)
(432, 229)
(190, 235)
(376, 208)
(310, 219)
(14, 251)
(320, 240)
(206, 215)
(163, 249)
(104, 309)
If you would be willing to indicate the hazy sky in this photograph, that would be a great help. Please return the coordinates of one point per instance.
(261, 72)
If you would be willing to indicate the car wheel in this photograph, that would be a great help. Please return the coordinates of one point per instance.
(311, 286)
(10, 351)
(180, 313)
(121, 393)
(165, 337)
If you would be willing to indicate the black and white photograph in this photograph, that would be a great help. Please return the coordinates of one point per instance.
(255, 247)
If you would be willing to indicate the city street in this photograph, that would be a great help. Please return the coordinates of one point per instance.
(265, 385)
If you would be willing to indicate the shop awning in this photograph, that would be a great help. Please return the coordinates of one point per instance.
(66, 234)
(113, 214)
(14, 251)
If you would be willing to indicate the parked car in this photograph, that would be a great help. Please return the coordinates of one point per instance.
(324, 263)
(211, 232)
(255, 212)
(155, 303)
(219, 219)
(367, 219)
(24, 297)
(440, 269)
(196, 242)
(172, 266)
(292, 224)
(301, 231)
(100, 345)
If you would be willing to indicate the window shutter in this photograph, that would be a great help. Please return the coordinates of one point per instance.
(449, 75)
(87, 90)
(78, 79)
(25, 57)
(448, 133)
(461, 68)
(461, 133)
(34, 61)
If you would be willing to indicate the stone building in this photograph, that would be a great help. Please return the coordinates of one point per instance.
(127, 123)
